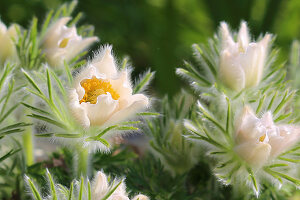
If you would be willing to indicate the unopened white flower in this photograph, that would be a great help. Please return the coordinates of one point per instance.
(62, 43)
(102, 95)
(7, 46)
(258, 140)
(140, 197)
(100, 188)
(242, 62)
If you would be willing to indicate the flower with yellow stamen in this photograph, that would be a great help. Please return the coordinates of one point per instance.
(62, 43)
(258, 140)
(102, 94)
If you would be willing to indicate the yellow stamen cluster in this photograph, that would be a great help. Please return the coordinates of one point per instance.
(94, 87)
(262, 138)
(63, 43)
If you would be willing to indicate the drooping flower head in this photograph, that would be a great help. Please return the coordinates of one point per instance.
(7, 48)
(242, 62)
(259, 139)
(102, 95)
(62, 43)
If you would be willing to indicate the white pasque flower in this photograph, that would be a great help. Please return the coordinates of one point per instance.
(258, 140)
(7, 48)
(242, 62)
(102, 95)
(101, 187)
(62, 43)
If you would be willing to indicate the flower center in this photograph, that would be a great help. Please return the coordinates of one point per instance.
(94, 87)
(262, 138)
(63, 43)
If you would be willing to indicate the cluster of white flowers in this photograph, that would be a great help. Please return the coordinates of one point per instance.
(101, 187)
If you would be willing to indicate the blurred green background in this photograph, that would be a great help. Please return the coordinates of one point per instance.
(159, 33)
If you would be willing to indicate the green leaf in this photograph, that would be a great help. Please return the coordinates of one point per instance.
(49, 120)
(111, 191)
(71, 191)
(10, 153)
(34, 190)
(32, 82)
(52, 186)
(144, 81)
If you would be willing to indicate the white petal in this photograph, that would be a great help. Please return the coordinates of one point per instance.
(53, 33)
(252, 65)
(231, 72)
(122, 85)
(243, 36)
(226, 36)
(246, 126)
(118, 197)
(78, 110)
(79, 46)
(267, 120)
(140, 197)
(100, 112)
(289, 135)
(99, 186)
(105, 62)
(255, 154)
(138, 103)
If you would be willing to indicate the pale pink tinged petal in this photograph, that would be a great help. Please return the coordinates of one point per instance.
(139, 102)
(231, 73)
(246, 125)
(289, 136)
(99, 186)
(3, 28)
(267, 120)
(100, 112)
(243, 36)
(85, 73)
(12, 32)
(118, 197)
(140, 197)
(250, 63)
(77, 110)
(105, 62)
(226, 35)
(122, 85)
(121, 190)
(74, 50)
(255, 154)
(265, 41)
(53, 33)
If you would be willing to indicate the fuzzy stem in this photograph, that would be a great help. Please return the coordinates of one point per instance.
(83, 162)
(28, 146)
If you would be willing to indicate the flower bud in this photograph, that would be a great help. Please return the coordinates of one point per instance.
(62, 43)
(140, 197)
(242, 62)
(7, 49)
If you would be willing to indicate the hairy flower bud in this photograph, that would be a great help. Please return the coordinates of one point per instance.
(7, 49)
(62, 43)
(242, 62)
(258, 140)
